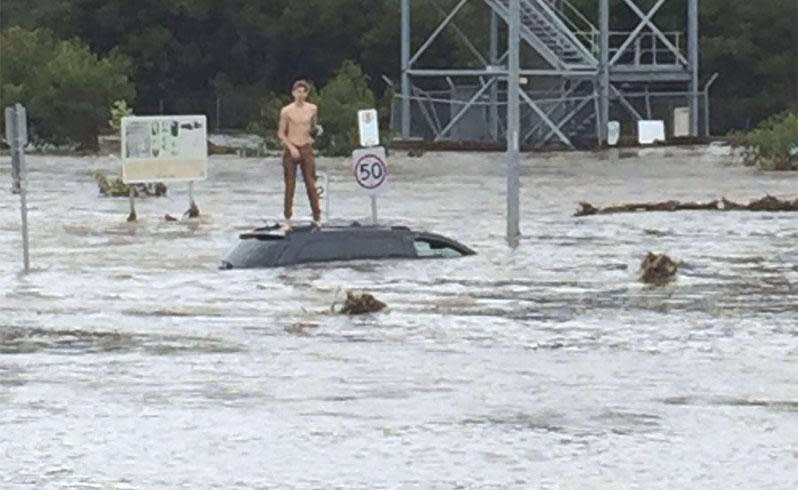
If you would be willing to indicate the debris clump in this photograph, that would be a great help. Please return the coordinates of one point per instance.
(658, 269)
(767, 203)
(360, 304)
(117, 188)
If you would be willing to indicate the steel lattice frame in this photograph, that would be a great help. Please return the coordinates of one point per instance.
(591, 74)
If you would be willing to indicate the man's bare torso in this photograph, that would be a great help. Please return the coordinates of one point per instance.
(299, 120)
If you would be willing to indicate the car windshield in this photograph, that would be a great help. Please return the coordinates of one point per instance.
(434, 248)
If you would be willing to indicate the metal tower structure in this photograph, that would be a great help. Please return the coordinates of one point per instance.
(575, 76)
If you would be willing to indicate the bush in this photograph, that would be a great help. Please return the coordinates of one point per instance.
(339, 101)
(66, 88)
(119, 110)
(773, 145)
(266, 124)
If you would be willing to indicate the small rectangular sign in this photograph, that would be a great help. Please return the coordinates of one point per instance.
(369, 127)
(649, 132)
(16, 126)
(164, 148)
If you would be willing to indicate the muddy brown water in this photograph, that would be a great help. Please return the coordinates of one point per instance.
(127, 360)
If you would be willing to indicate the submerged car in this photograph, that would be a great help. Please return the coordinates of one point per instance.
(273, 247)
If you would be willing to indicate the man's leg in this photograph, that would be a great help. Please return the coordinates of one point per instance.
(308, 164)
(289, 176)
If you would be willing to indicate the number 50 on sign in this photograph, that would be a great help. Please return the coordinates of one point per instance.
(370, 169)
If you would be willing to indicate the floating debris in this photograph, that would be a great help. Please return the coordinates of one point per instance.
(301, 328)
(767, 203)
(360, 304)
(192, 212)
(658, 269)
(117, 188)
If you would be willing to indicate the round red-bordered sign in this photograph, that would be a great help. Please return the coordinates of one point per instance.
(370, 171)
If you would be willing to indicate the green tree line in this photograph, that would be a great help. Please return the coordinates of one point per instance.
(190, 55)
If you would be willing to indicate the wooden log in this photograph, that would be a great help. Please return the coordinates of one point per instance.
(765, 204)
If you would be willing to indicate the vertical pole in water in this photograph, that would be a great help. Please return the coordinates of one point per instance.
(132, 216)
(604, 70)
(493, 59)
(405, 68)
(23, 200)
(374, 210)
(17, 137)
(191, 194)
(513, 125)
(692, 55)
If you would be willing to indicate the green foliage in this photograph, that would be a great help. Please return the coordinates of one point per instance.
(65, 87)
(189, 52)
(119, 110)
(339, 101)
(266, 124)
(772, 146)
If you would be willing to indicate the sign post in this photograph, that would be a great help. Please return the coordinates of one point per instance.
(369, 162)
(16, 120)
(165, 149)
(371, 173)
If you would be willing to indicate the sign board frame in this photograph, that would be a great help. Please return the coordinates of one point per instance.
(16, 119)
(164, 148)
(369, 127)
(370, 169)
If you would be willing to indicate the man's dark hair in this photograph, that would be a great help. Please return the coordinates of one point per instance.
(301, 83)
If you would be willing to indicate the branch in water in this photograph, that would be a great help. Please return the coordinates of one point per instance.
(767, 203)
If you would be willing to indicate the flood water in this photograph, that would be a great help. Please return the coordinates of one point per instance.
(128, 360)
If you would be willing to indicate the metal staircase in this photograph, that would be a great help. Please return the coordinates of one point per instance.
(543, 28)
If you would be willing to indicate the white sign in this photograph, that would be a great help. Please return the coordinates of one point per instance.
(369, 128)
(681, 122)
(650, 131)
(613, 132)
(370, 168)
(164, 148)
(16, 126)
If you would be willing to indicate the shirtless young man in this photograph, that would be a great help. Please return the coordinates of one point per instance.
(296, 122)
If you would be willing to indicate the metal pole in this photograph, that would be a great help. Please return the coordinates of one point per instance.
(706, 103)
(692, 55)
(132, 216)
(23, 200)
(374, 210)
(513, 126)
(190, 193)
(604, 69)
(493, 59)
(17, 137)
(218, 113)
(405, 67)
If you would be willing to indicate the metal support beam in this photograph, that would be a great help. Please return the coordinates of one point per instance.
(625, 103)
(531, 103)
(465, 108)
(513, 127)
(604, 70)
(692, 54)
(437, 31)
(567, 118)
(405, 69)
(481, 59)
(646, 21)
(493, 56)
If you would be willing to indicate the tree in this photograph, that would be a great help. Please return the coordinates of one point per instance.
(339, 101)
(66, 88)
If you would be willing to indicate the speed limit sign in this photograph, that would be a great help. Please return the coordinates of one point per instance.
(370, 168)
